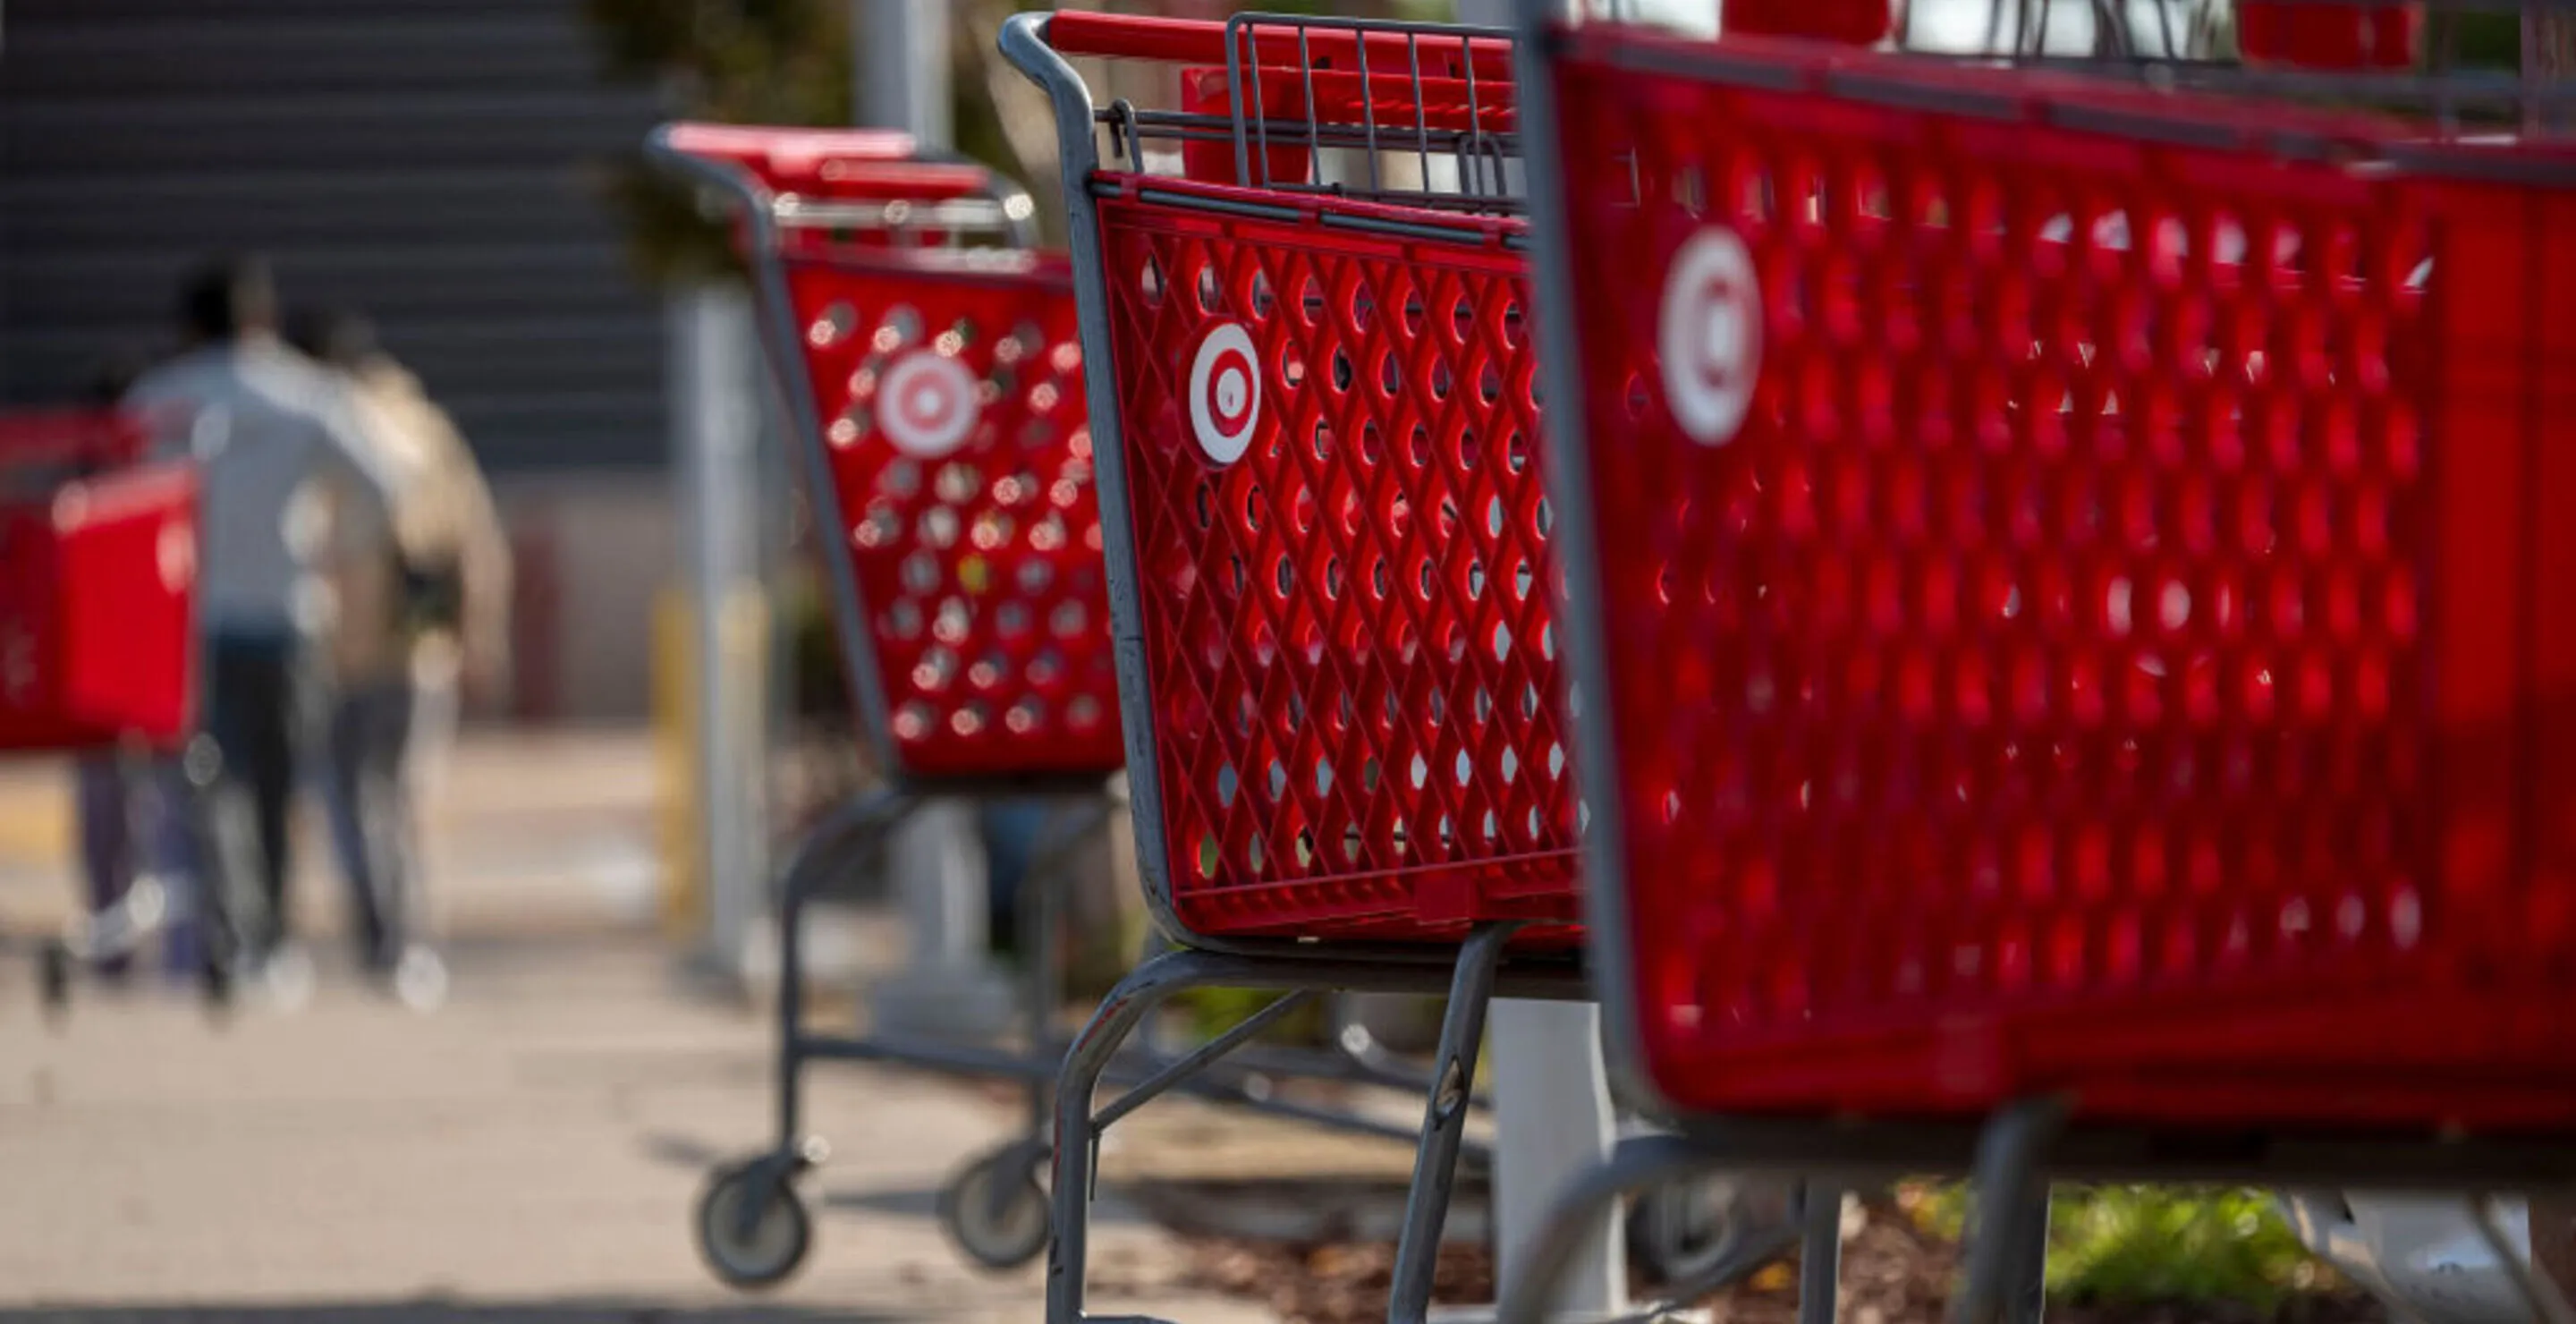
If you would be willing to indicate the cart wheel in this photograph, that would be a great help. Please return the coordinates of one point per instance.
(54, 979)
(1685, 1232)
(994, 1209)
(752, 1226)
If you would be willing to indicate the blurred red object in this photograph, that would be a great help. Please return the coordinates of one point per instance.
(1849, 22)
(97, 586)
(2322, 36)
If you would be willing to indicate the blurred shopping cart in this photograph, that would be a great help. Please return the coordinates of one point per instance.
(2067, 573)
(98, 652)
(927, 356)
(1329, 547)
(928, 351)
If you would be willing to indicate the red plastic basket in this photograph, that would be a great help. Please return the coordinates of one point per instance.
(97, 586)
(943, 387)
(1341, 539)
(2078, 603)
(2312, 35)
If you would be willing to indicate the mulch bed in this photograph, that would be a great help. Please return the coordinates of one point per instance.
(1893, 1273)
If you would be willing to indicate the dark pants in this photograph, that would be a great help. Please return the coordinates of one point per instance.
(260, 711)
(107, 837)
(1011, 831)
(371, 819)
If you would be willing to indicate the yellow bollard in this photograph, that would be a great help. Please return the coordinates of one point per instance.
(675, 752)
(679, 735)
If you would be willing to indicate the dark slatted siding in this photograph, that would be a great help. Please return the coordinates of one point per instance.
(429, 160)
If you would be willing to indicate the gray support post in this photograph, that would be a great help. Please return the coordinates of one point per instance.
(950, 985)
(715, 410)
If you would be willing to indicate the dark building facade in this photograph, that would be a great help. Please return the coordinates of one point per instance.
(431, 161)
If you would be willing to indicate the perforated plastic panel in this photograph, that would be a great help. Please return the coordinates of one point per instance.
(2081, 611)
(951, 392)
(1332, 465)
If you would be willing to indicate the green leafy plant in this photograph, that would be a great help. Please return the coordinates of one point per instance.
(2139, 1244)
(2158, 1245)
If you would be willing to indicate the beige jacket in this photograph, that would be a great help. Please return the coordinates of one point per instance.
(442, 516)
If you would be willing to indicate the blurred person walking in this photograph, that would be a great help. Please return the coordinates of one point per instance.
(273, 436)
(424, 611)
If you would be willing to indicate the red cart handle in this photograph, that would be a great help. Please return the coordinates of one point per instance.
(1278, 45)
(53, 438)
(853, 165)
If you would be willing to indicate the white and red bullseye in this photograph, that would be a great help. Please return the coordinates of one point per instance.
(1710, 335)
(926, 404)
(1225, 393)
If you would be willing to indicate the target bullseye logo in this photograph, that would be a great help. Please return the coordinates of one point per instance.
(926, 404)
(1710, 335)
(1225, 393)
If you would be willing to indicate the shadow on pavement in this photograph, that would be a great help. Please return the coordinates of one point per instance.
(432, 1311)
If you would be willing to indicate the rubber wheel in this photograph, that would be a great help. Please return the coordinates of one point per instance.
(1680, 1233)
(780, 1231)
(995, 1211)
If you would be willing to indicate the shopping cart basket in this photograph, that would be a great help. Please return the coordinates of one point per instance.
(97, 632)
(1305, 323)
(929, 357)
(2066, 575)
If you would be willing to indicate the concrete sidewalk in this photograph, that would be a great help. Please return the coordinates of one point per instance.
(531, 1153)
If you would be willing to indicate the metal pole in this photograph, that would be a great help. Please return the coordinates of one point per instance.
(902, 67)
(1552, 1123)
(951, 987)
(715, 413)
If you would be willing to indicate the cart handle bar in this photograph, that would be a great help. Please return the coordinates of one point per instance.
(830, 164)
(1200, 41)
(71, 436)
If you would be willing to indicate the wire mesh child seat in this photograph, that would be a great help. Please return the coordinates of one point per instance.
(926, 351)
(2067, 575)
(98, 647)
(1305, 322)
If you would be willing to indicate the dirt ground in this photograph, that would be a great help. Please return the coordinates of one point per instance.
(1892, 1274)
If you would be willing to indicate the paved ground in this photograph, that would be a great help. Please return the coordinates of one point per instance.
(529, 1154)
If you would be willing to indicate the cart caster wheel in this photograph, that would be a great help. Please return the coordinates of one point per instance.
(994, 1209)
(54, 980)
(752, 1226)
(1690, 1232)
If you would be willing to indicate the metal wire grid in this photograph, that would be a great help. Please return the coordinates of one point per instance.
(1436, 95)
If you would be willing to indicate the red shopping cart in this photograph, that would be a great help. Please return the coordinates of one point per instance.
(929, 355)
(97, 639)
(2066, 573)
(1329, 545)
